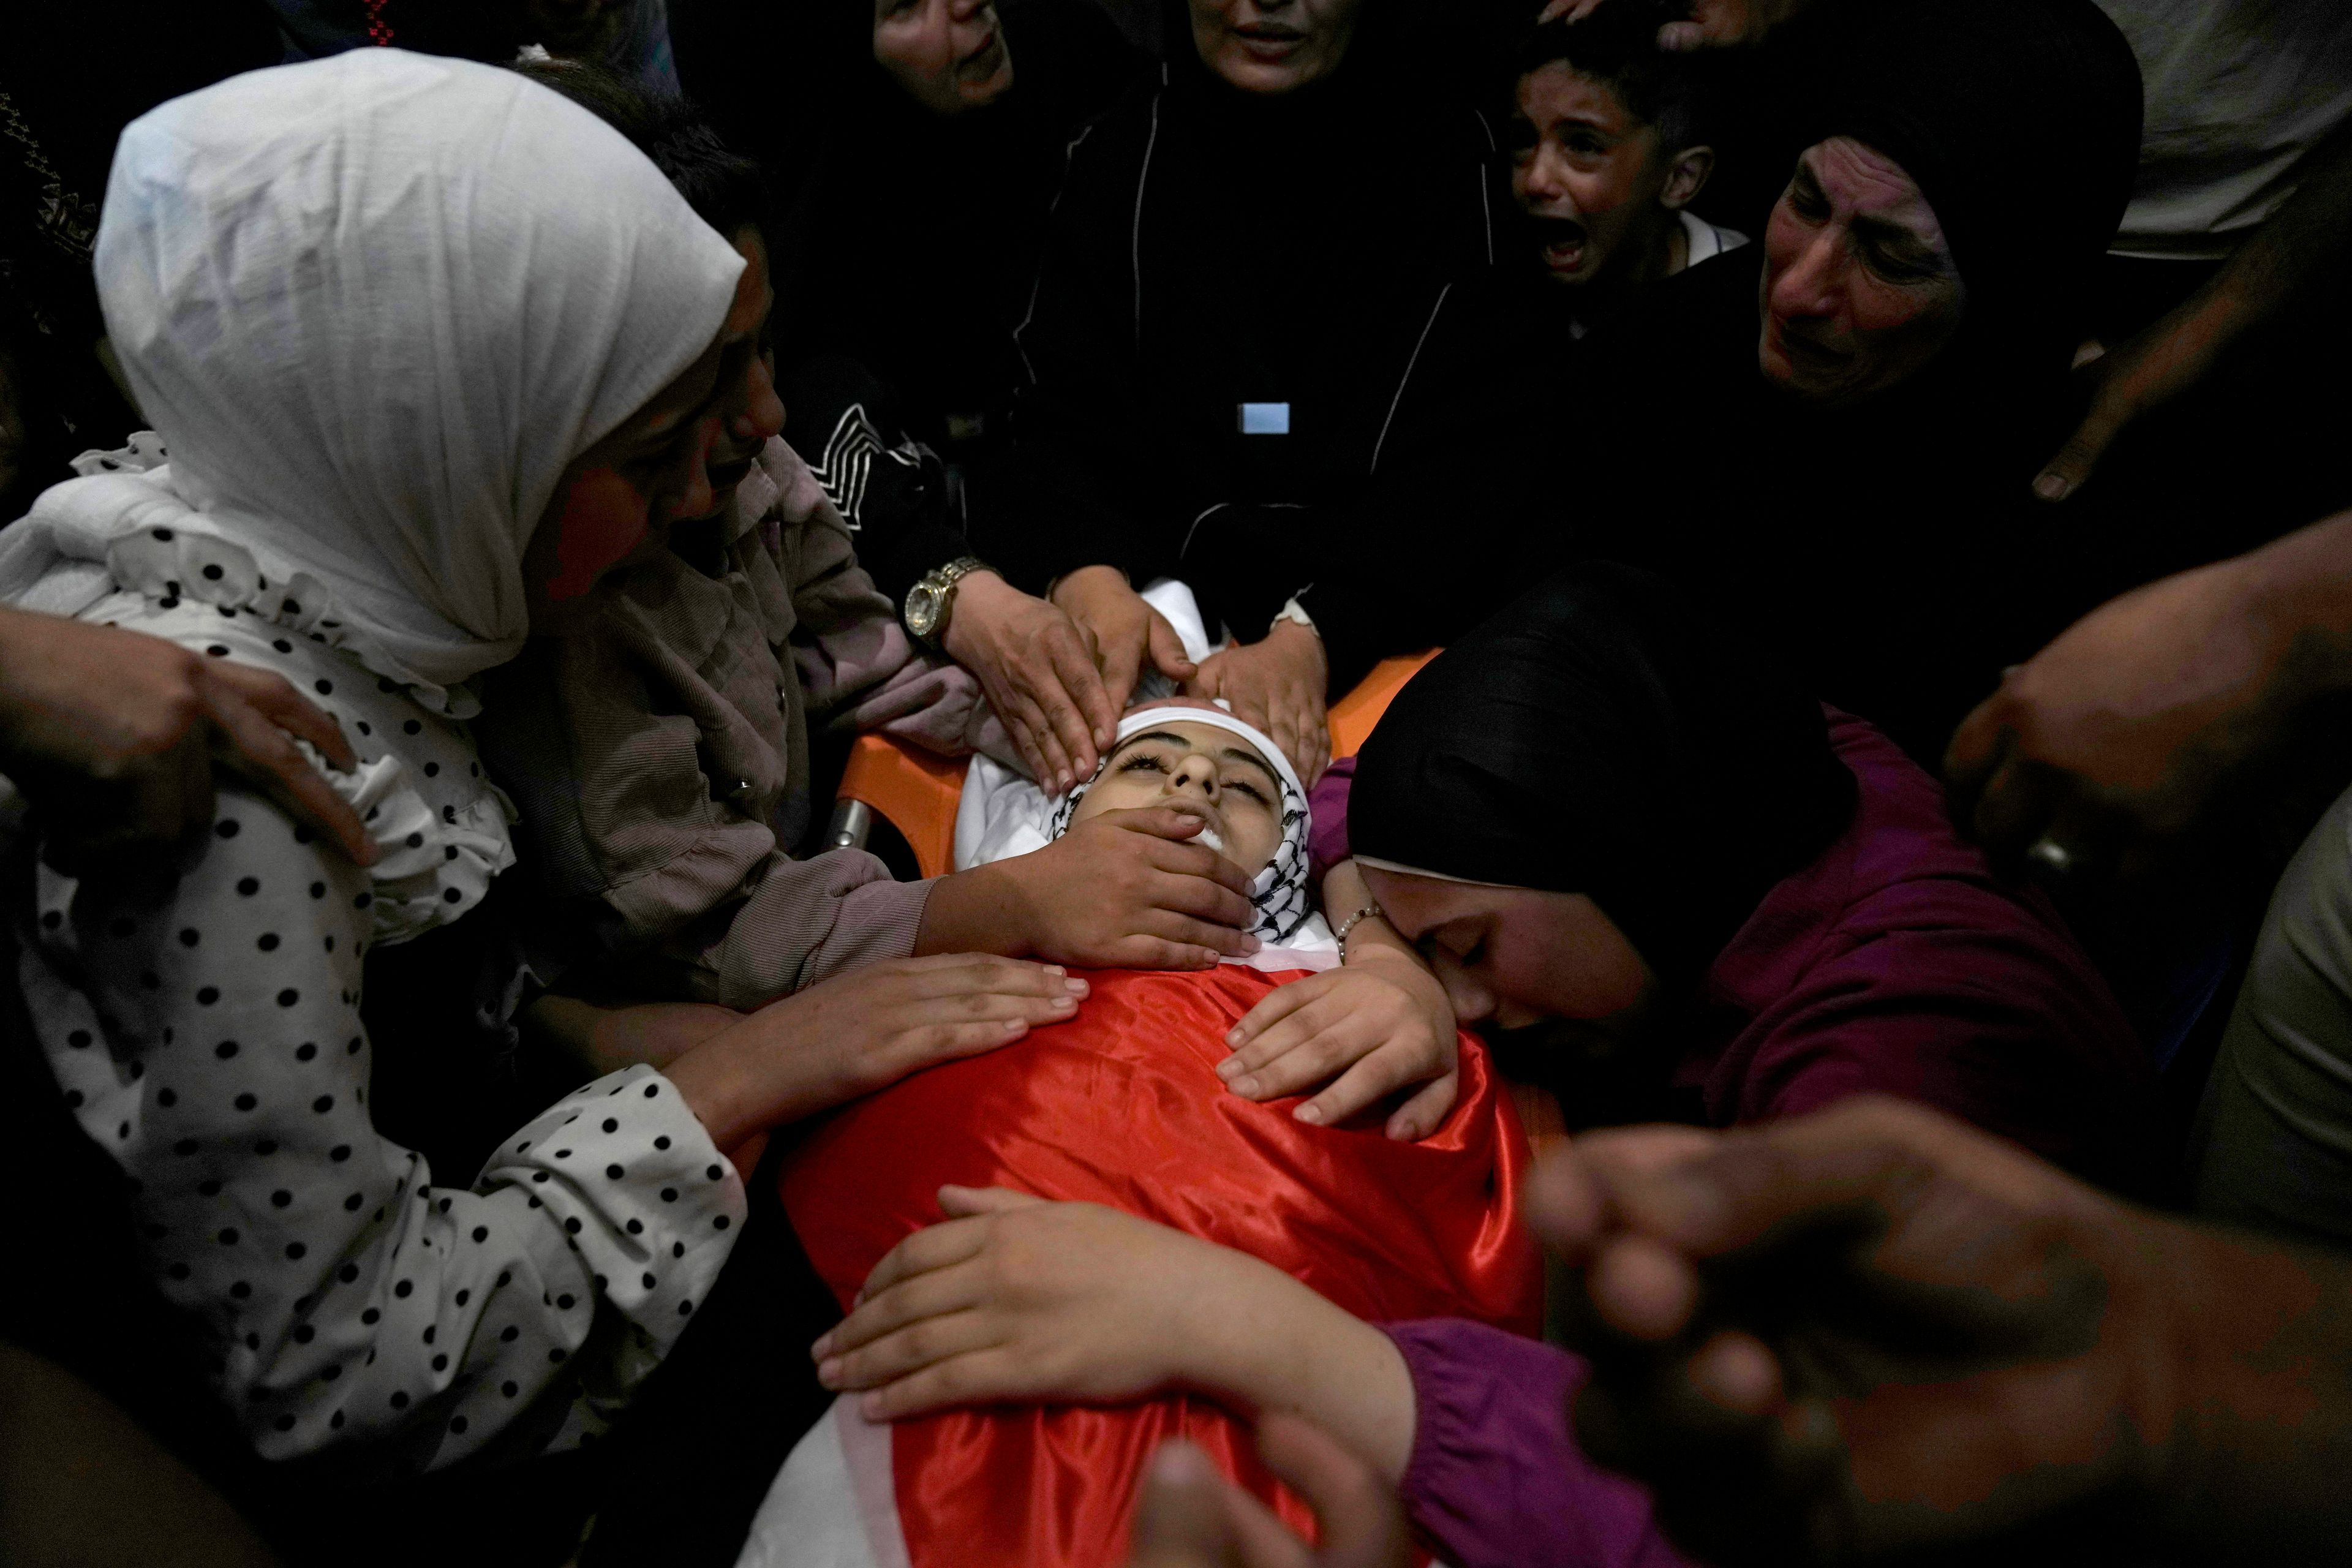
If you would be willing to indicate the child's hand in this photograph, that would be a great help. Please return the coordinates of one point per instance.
(1016, 1299)
(1379, 1025)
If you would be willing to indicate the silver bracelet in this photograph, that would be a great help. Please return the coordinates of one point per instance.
(1352, 921)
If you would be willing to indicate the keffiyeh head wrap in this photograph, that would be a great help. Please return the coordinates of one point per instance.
(376, 305)
(1281, 893)
(1601, 737)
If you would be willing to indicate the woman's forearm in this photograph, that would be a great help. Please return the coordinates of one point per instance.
(1272, 1343)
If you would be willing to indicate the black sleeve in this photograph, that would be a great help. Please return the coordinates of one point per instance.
(892, 489)
(1441, 533)
(1090, 486)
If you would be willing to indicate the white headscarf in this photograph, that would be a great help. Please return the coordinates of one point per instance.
(1281, 896)
(376, 305)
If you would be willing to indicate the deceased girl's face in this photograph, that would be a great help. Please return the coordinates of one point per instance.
(1203, 771)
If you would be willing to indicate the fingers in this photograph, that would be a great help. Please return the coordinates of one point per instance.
(1425, 1112)
(1167, 648)
(1734, 1372)
(1070, 690)
(1197, 895)
(1118, 651)
(1371, 1079)
(1975, 750)
(901, 1332)
(962, 1203)
(933, 1248)
(1155, 953)
(271, 695)
(2015, 805)
(259, 750)
(954, 976)
(1643, 1290)
(1362, 1522)
(1280, 1002)
(2067, 472)
(1179, 857)
(1183, 931)
(1035, 738)
(987, 1374)
(1307, 1047)
(1180, 1516)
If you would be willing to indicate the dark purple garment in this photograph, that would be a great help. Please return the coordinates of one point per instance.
(1897, 963)
(1495, 1479)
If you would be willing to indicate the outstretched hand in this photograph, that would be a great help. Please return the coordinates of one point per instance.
(1278, 685)
(2136, 376)
(1190, 1516)
(1366, 1031)
(1038, 670)
(1132, 889)
(1862, 1331)
(1123, 629)
(1011, 1297)
(113, 737)
(2118, 734)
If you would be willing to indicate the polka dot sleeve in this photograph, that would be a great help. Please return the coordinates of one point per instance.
(204, 1026)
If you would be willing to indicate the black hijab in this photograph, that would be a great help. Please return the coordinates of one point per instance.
(1891, 550)
(2021, 121)
(1601, 737)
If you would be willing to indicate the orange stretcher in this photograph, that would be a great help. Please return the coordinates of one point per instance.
(917, 792)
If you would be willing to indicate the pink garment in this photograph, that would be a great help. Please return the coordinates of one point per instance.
(1495, 1479)
(1897, 963)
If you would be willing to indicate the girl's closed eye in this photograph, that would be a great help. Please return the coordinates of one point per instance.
(1243, 786)
(1143, 762)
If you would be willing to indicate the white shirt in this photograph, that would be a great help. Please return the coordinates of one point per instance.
(2237, 91)
(202, 1019)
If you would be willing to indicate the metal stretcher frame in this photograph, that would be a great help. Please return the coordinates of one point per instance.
(918, 792)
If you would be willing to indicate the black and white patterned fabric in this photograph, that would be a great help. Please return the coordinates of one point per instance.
(1284, 898)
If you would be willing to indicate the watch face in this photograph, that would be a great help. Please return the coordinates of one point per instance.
(922, 609)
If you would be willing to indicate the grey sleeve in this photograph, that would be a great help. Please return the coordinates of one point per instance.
(2272, 1149)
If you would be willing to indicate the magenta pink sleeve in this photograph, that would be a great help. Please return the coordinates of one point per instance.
(1495, 1479)
(1327, 842)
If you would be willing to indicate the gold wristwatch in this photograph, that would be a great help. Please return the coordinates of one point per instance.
(929, 601)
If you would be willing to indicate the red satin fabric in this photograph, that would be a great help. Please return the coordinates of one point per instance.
(1123, 1107)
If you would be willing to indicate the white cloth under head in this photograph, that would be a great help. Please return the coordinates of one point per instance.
(375, 305)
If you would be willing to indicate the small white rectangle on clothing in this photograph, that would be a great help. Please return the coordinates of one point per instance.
(1265, 418)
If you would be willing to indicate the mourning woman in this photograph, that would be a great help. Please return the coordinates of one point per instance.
(433, 352)
(1668, 885)
(1831, 436)
(1226, 352)
(917, 145)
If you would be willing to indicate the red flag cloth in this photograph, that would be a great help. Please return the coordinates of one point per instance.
(1122, 1106)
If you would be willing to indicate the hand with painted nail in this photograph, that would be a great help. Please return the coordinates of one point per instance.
(114, 736)
(1379, 1025)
